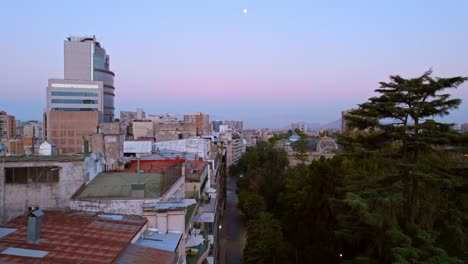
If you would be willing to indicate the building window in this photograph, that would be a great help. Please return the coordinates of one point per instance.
(24, 175)
(73, 109)
(74, 101)
(84, 94)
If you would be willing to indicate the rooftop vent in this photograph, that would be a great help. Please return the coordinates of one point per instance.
(34, 226)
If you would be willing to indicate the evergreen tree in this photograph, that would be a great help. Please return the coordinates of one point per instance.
(402, 114)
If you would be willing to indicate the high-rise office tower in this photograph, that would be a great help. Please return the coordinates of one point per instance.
(86, 60)
(81, 100)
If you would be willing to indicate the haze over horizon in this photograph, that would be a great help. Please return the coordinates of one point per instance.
(278, 63)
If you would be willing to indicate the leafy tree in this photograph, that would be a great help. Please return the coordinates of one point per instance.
(251, 204)
(306, 215)
(265, 242)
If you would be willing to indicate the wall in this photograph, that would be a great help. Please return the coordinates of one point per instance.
(189, 184)
(67, 129)
(123, 206)
(167, 132)
(111, 206)
(14, 198)
(201, 147)
(142, 129)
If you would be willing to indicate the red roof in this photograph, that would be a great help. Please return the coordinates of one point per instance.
(71, 237)
(153, 166)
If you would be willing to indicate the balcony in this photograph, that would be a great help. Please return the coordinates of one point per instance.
(197, 254)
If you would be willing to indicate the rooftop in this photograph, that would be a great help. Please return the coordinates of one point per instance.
(154, 166)
(60, 158)
(168, 154)
(168, 242)
(155, 178)
(69, 237)
(116, 185)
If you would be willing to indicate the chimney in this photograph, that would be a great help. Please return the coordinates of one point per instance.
(34, 226)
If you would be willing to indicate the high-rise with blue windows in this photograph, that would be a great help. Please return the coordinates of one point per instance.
(81, 100)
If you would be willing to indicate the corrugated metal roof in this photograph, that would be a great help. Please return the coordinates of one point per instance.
(204, 218)
(142, 255)
(113, 217)
(6, 231)
(169, 241)
(25, 252)
(183, 204)
(72, 237)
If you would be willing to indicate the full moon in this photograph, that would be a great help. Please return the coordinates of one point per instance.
(245, 11)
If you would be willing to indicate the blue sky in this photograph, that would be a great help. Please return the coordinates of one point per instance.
(283, 61)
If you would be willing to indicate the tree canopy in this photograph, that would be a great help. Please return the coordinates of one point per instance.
(395, 193)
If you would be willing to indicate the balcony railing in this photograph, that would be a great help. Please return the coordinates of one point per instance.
(195, 255)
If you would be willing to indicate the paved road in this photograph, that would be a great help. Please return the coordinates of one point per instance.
(233, 233)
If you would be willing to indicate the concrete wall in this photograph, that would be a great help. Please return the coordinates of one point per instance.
(78, 60)
(142, 129)
(111, 206)
(126, 206)
(15, 198)
(67, 129)
(167, 132)
(198, 146)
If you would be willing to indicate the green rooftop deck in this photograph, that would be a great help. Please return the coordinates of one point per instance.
(118, 185)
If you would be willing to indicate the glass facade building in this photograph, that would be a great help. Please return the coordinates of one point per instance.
(86, 60)
(81, 100)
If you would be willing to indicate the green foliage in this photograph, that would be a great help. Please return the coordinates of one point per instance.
(302, 152)
(396, 193)
(251, 204)
(265, 243)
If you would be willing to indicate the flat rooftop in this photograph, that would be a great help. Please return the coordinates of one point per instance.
(117, 185)
(59, 158)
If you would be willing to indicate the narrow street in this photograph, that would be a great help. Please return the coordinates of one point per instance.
(233, 233)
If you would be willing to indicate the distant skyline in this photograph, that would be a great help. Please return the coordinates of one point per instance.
(268, 63)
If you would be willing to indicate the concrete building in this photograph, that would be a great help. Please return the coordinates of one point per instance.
(464, 128)
(142, 129)
(41, 181)
(86, 60)
(299, 125)
(202, 122)
(251, 137)
(137, 148)
(215, 125)
(14, 147)
(198, 146)
(234, 146)
(47, 149)
(169, 118)
(196, 177)
(76, 96)
(344, 122)
(86, 93)
(173, 131)
(68, 128)
(316, 148)
(7, 126)
(109, 140)
(234, 125)
(153, 189)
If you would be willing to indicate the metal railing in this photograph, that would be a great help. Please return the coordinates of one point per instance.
(200, 253)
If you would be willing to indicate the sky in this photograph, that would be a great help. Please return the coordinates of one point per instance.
(279, 62)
